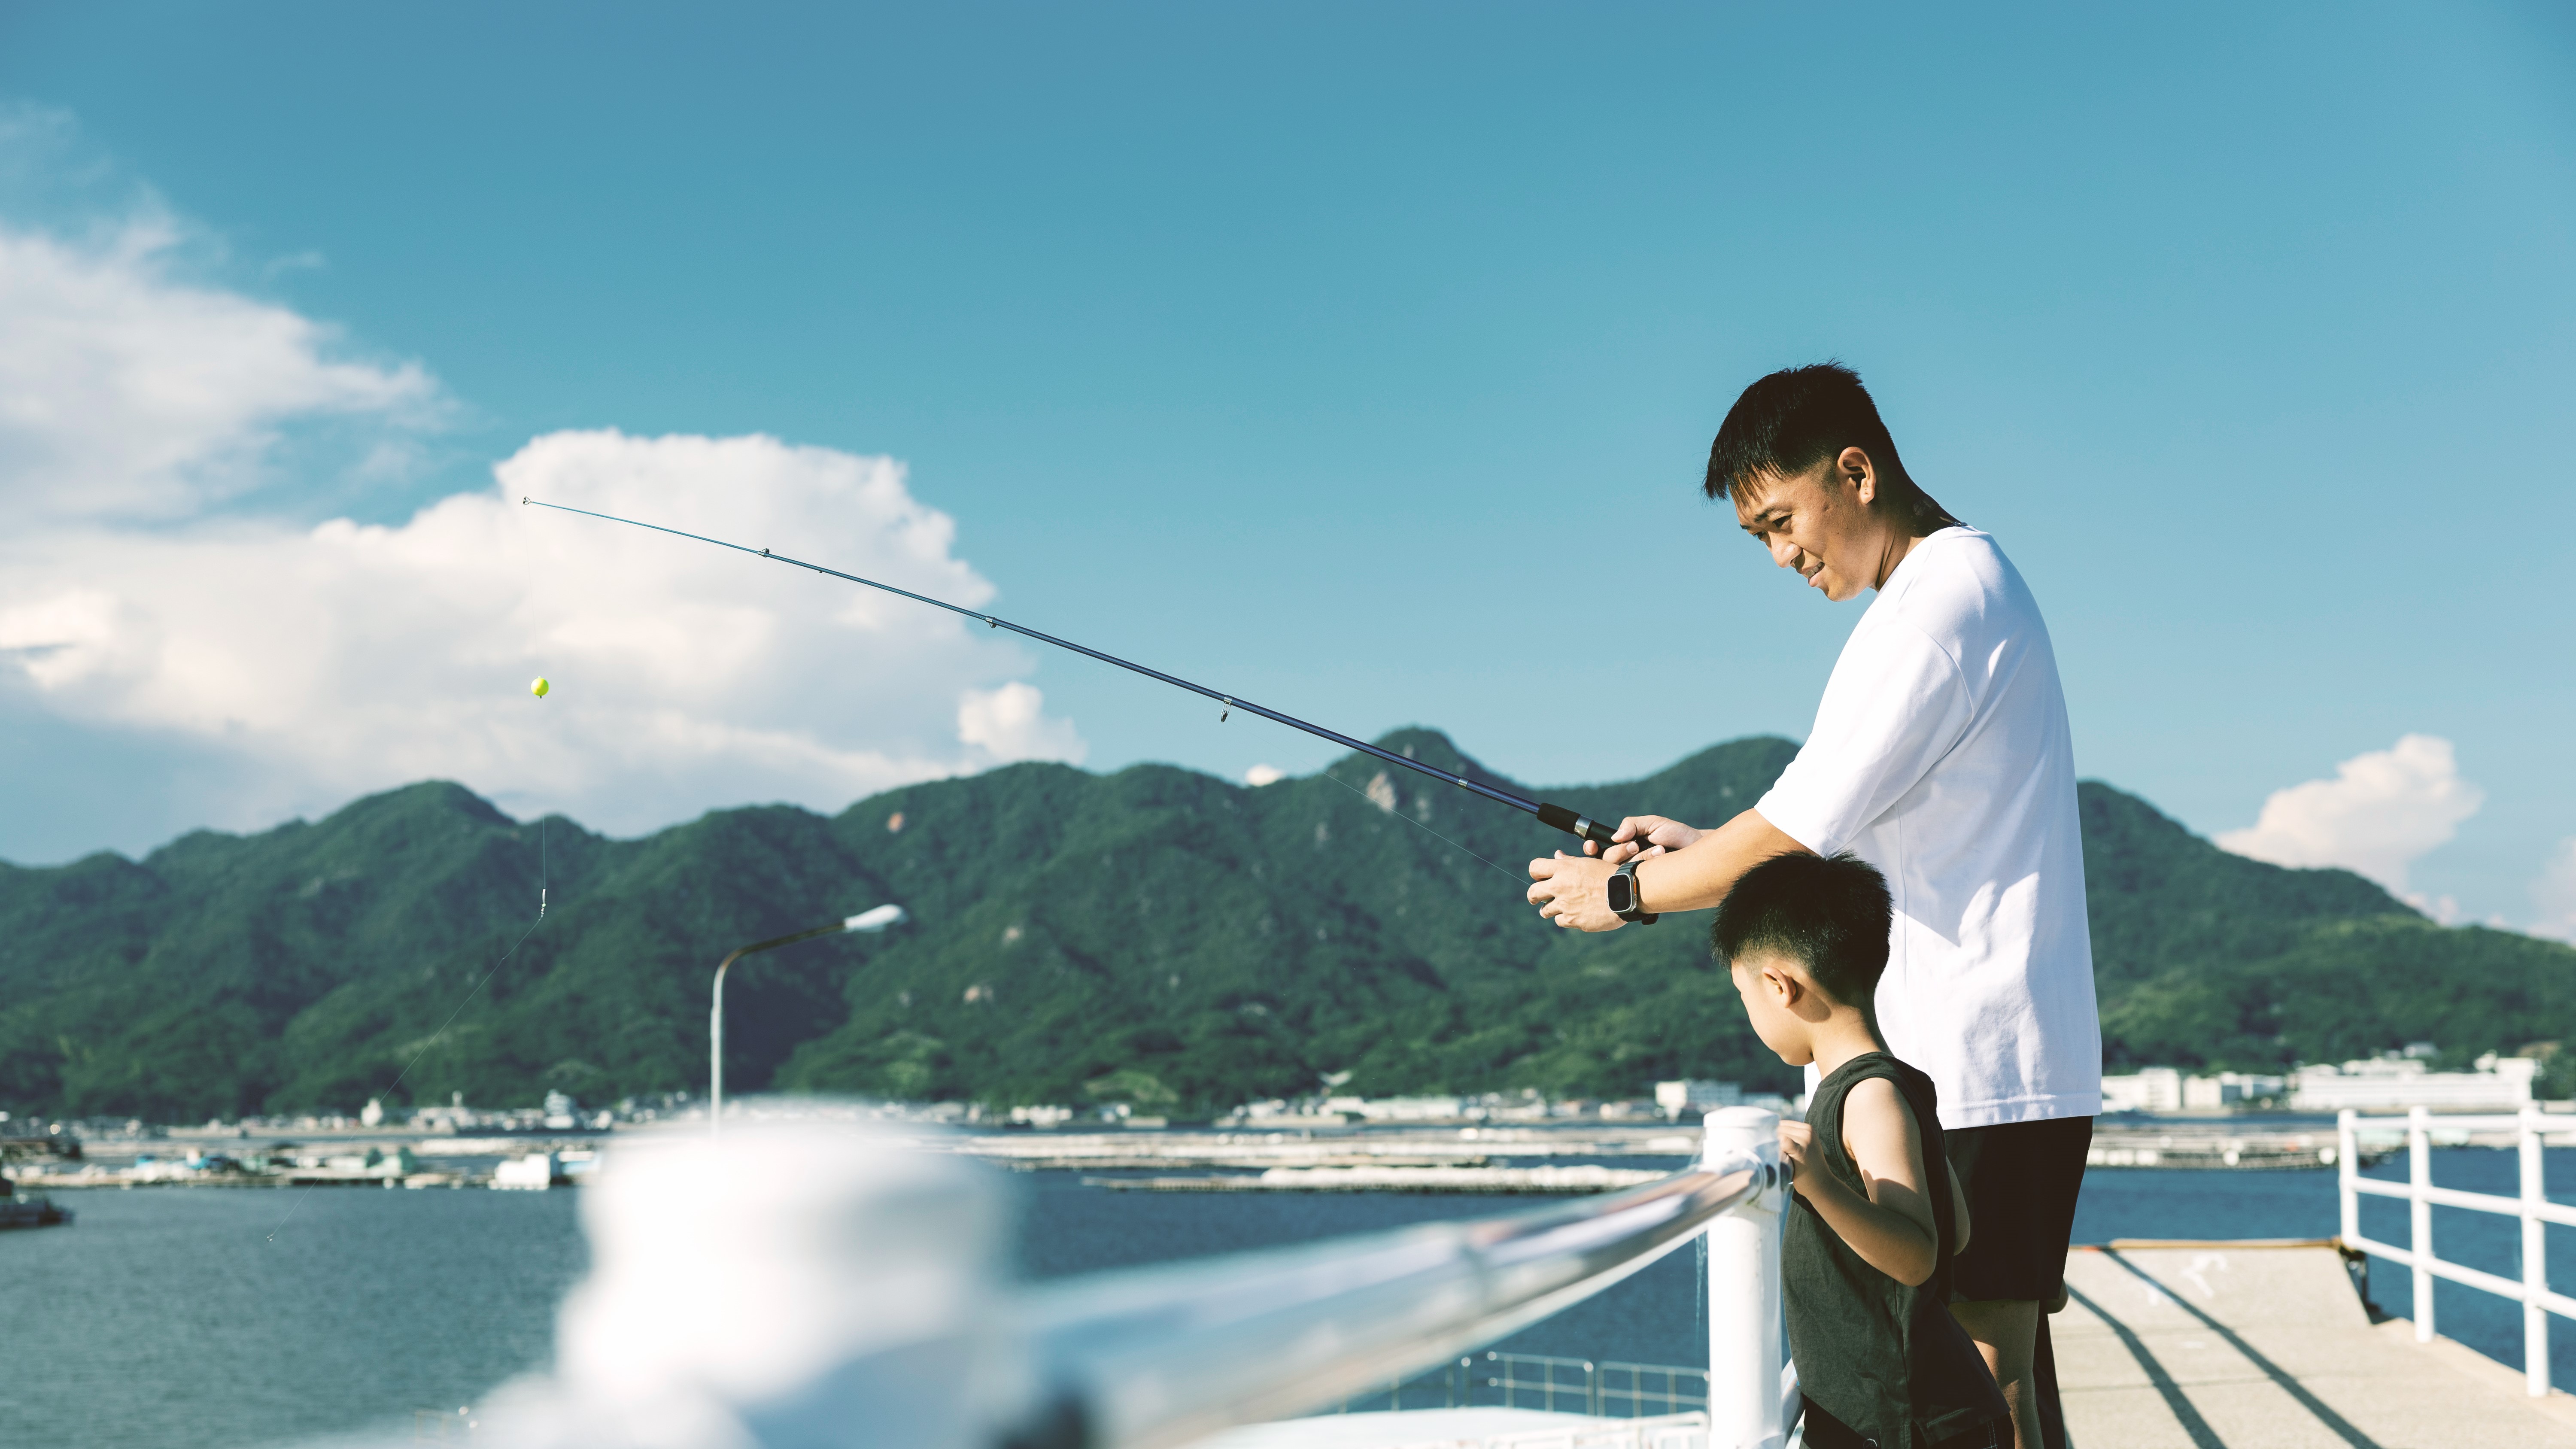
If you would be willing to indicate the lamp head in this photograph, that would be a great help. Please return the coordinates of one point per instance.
(875, 920)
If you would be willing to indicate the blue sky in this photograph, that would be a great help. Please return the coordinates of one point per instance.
(1360, 361)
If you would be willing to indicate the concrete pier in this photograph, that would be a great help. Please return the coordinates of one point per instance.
(2238, 1345)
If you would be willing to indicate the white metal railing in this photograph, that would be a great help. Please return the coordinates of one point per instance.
(1666, 1431)
(2532, 1206)
(1604, 1389)
(840, 1283)
(1158, 1357)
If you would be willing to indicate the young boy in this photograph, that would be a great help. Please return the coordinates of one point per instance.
(1875, 1216)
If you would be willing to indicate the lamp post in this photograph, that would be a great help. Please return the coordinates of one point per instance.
(872, 920)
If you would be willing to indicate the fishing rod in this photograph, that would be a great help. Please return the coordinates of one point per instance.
(1556, 816)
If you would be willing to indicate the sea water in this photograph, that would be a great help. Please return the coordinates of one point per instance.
(170, 1317)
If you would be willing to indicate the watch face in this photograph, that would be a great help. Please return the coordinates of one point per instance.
(1623, 892)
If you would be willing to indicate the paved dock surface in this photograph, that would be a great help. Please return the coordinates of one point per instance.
(1486, 1428)
(2247, 1346)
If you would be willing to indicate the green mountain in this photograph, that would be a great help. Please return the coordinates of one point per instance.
(2205, 958)
(1155, 936)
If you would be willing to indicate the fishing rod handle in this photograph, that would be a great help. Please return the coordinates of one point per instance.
(1583, 827)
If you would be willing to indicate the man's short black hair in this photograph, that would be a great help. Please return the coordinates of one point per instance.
(1794, 419)
(1827, 913)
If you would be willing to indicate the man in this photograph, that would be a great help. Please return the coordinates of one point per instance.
(1940, 755)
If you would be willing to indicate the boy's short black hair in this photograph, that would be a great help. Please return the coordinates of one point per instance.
(1794, 419)
(1827, 913)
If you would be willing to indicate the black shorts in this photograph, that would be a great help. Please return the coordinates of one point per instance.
(2020, 1179)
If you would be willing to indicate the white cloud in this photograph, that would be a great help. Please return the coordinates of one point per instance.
(2555, 893)
(151, 590)
(350, 657)
(2381, 812)
(318, 662)
(1260, 775)
(1010, 723)
(127, 392)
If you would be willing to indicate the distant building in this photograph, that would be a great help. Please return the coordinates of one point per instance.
(2500, 1084)
(1696, 1096)
(374, 1162)
(2227, 1089)
(1398, 1109)
(2166, 1089)
(2155, 1089)
(2395, 1081)
(1527, 1106)
(442, 1119)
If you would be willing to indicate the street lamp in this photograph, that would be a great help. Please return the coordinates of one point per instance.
(873, 920)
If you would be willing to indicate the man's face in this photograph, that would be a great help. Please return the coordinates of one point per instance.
(1818, 523)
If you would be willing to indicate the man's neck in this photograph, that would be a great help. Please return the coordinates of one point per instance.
(1898, 547)
(1838, 1040)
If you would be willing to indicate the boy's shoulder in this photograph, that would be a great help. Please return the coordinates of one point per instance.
(1886, 1119)
(1882, 1082)
(1878, 1065)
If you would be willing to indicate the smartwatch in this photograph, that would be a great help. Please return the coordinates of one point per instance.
(1622, 890)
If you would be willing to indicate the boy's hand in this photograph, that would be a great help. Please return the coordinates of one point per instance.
(1640, 835)
(1795, 1139)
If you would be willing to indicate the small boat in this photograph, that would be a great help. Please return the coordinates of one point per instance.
(32, 1212)
(19, 1210)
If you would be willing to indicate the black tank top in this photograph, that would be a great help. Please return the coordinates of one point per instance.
(1883, 1358)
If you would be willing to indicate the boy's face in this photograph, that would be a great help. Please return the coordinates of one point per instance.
(1773, 987)
(1820, 523)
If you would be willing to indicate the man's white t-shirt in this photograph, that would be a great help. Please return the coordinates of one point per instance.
(1941, 756)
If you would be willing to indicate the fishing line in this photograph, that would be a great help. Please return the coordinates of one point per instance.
(1409, 820)
(475, 990)
(1555, 816)
(488, 975)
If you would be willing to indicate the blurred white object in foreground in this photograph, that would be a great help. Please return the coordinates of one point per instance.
(794, 1284)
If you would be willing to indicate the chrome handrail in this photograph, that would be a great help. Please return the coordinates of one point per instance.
(1158, 1357)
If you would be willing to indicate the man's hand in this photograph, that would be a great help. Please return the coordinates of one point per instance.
(1569, 892)
(1693, 869)
(1640, 835)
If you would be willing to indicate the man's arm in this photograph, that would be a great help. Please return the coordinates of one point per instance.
(1695, 877)
(1892, 1227)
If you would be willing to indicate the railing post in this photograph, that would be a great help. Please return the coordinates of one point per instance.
(2348, 1172)
(2535, 1261)
(1744, 1287)
(2419, 1212)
